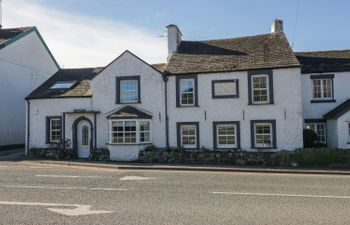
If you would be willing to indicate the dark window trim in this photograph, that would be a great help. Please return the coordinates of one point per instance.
(178, 131)
(178, 78)
(324, 76)
(118, 79)
(274, 132)
(268, 72)
(213, 82)
(48, 129)
(238, 133)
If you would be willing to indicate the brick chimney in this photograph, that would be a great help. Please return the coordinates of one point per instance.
(277, 26)
(174, 38)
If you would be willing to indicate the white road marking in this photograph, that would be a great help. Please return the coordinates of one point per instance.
(40, 167)
(79, 210)
(137, 178)
(283, 195)
(65, 188)
(71, 176)
(4, 166)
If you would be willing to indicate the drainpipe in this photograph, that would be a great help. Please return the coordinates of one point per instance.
(28, 126)
(165, 78)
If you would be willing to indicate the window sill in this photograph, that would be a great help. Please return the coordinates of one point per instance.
(128, 144)
(264, 148)
(189, 106)
(261, 103)
(323, 101)
(127, 103)
(224, 96)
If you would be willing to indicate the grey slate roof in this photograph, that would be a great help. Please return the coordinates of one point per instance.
(324, 61)
(81, 88)
(129, 112)
(9, 33)
(338, 111)
(234, 54)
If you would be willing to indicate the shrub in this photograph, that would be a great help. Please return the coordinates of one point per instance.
(310, 138)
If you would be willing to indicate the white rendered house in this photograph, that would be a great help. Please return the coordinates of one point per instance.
(25, 63)
(219, 94)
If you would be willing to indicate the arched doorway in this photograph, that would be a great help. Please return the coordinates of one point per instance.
(82, 137)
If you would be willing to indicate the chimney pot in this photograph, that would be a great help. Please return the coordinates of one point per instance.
(277, 26)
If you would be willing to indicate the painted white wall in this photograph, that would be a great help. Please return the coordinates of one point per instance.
(41, 108)
(24, 65)
(318, 110)
(287, 110)
(152, 100)
(343, 131)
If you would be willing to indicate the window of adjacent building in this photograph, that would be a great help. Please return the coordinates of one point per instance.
(63, 85)
(322, 88)
(348, 132)
(263, 135)
(187, 92)
(55, 130)
(226, 135)
(130, 131)
(225, 88)
(129, 91)
(319, 129)
(260, 89)
(188, 135)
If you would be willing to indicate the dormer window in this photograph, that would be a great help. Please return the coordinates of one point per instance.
(128, 90)
(63, 85)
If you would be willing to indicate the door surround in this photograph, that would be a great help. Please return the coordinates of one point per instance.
(75, 134)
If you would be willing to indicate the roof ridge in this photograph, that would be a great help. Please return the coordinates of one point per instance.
(221, 39)
(334, 50)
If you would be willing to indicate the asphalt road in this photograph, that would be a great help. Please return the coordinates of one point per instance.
(38, 194)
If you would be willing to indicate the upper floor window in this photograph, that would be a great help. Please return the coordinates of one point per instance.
(322, 88)
(225, 88)
(53, 129)
(186, 91)
(128, 89)
(260, 87)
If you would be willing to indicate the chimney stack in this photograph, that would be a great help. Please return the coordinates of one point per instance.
(174, 38)
(277, 26)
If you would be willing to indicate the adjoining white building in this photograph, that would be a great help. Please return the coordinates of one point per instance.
(248, 93)
(25, 63)
(326, 95)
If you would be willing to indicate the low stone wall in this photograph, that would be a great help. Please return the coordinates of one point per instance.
(67, 154)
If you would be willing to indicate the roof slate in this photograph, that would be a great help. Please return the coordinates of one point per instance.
(235, 54)
(338, 111)
(81, 88)
(9, 33)
(324, 61)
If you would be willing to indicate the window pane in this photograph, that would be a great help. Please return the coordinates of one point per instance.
(188, 135)
(129, 90)
(263, 135)
(187, 91)
(260, 92)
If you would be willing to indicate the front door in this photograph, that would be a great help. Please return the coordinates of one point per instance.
(83, 139)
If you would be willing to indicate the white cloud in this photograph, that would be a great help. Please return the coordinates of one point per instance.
(81, 41)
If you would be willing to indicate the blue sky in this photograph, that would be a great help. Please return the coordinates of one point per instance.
(320, 24)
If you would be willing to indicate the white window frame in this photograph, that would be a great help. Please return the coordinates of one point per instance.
(149, 131)
(267, 88)
(130, 91)
(195, 136)
(262, 145)
(218, 136)
(55, 130)
(322, 85)
(187, 92)
(315, 129)
(63, 84)
(110, 130)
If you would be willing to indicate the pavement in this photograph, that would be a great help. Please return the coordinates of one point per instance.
(50, 194)
(37, 193)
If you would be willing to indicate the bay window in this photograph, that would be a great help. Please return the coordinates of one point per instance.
(130, 131)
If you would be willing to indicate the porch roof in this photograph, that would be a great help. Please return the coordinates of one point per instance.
(338, 111)
(129, 112)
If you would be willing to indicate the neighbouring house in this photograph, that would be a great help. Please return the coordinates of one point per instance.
(25, 63)
(238, 93)
(326, 95)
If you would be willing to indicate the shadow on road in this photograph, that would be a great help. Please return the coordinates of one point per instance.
(13, 155)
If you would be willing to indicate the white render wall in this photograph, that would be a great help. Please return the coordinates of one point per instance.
(286, 110)
(41, 108)
(24, 65)
(332, 133)
(152, 101)
(318, 110)
(343, 131)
